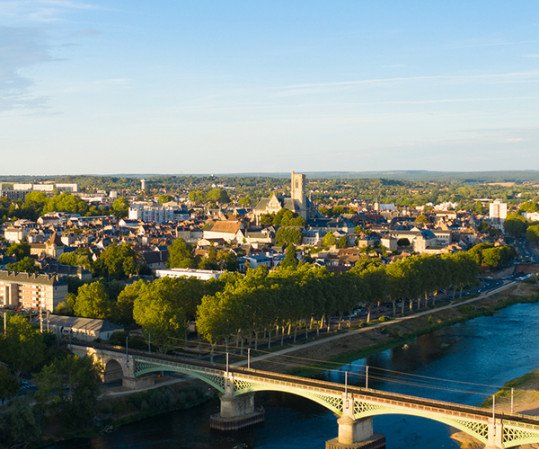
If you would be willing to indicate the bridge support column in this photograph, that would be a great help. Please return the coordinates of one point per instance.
(355, 433)
(237, 412)
(134, 383)
(495, 434)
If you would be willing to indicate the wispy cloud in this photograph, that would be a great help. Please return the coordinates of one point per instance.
(41, 11)
(19, 48)
(531, 75)
(531, 55)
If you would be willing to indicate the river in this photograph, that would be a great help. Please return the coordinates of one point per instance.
(486, 350)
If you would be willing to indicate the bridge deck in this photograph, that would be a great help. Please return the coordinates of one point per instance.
(325, 387)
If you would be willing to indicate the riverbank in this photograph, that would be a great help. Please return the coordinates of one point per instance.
(351, 345)
(525, 401)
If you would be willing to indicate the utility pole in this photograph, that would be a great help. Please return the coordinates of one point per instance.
(248, 358)
(367, 376)
(126, 351)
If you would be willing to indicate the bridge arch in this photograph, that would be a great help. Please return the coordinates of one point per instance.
(112, 371)
(215, 381)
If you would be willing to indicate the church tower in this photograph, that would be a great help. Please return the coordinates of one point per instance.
(296, 188)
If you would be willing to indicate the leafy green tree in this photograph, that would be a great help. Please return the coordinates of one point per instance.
(157, 309)
(81, 257)
(118, 262)
(529, 206)
(286, 217)
(515, 224)
(9, 385)
(93, 302)
(19, 250)
(288, 235)
(120, 207)
(479, 208)
(22, 348)
(209, 262)
(33, 205)
(342, 242)
(422, 219)
(197, 196)
(218, 196)
(244, 201)
(164, 199)
(26, 264)
(180, 255)
(71, 386)
(329, 239)
(65, 202)
(291, 258)
(532, 233)
(228, 260)
(20, 426)
(266, 219)
(126, 301)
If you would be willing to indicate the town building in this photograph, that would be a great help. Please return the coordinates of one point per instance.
(86, 329)
(31, 291)
(497, 213)
(157, 213)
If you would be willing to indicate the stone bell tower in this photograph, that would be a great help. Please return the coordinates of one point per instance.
(297, 188)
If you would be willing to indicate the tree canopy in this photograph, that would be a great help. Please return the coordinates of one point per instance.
(118, 262)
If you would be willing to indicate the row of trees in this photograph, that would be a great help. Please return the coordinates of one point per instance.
(291, 298)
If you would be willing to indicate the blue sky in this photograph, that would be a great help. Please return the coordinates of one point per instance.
(199, 86)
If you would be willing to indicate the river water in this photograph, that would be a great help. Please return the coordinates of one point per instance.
(483, 351)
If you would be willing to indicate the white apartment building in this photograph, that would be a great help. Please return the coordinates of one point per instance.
(497, 211)
(151, 212)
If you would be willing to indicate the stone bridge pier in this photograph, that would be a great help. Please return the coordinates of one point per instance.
(495, 434)
(237, 411)
(355, 433)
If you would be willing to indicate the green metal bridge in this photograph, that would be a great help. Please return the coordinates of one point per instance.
(355, 406)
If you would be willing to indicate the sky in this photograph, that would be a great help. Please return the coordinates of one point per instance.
(234, 86)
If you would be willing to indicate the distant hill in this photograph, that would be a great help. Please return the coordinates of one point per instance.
(410, 175)
(403, 175)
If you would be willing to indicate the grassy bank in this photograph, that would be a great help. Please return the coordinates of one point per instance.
(527, 382)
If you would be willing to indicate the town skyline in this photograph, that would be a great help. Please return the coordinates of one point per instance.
(94, 87)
